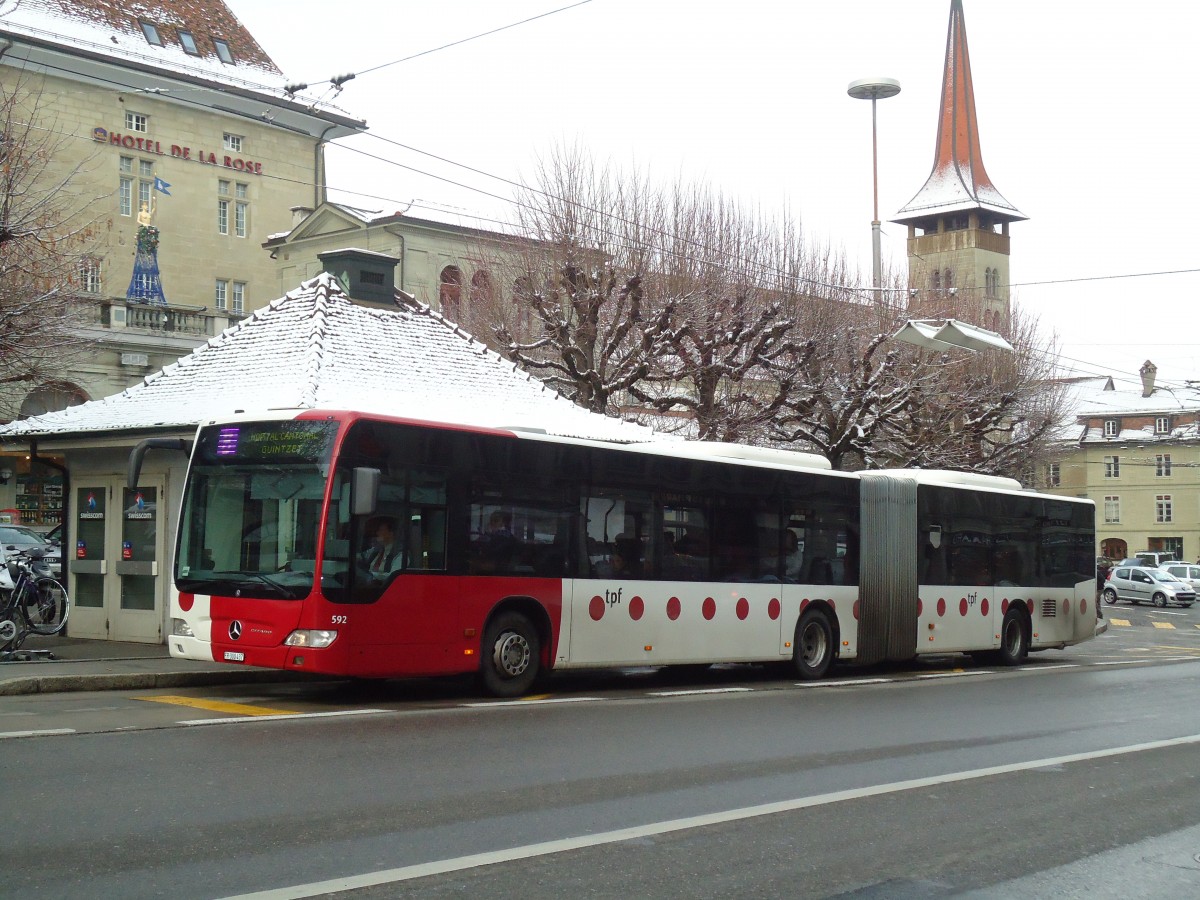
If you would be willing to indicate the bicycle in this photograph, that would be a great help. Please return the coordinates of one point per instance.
(31, 602)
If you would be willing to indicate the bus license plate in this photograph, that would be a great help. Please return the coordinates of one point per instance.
(234, 656)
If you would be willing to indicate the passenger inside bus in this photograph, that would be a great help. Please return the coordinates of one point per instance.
(624, 559)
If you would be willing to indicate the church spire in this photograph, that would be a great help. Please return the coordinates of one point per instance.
(958, 183)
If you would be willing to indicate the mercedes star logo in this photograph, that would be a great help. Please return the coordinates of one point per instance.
(235, 630)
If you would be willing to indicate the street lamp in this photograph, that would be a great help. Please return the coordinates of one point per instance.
(874, 89)
(941, 334)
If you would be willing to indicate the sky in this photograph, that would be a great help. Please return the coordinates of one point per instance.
(1083, 115)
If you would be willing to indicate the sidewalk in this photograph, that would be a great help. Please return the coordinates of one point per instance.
(86, 665)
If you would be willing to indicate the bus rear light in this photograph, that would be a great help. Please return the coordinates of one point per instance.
(180, 628)
(468, 651)
(648, 647)
(314, 638)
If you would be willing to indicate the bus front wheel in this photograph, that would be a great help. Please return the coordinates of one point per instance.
(812, 652)
(511, 655)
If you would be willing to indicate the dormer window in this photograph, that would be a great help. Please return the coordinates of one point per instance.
(223, 51)
(1162, 425)
(1111, 427)
(189, 43)
(150, 30)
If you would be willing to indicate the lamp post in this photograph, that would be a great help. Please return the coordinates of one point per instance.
(874, 89)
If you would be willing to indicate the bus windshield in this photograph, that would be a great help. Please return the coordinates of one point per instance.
(252, 510)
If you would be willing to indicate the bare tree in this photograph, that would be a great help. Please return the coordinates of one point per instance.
(846, 383)
(721, 268)
(47, 238)
(992, 412)
(590, 238)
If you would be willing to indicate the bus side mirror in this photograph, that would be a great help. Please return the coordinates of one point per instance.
(364, 491)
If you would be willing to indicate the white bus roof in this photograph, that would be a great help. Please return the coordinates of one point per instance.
(949, 477)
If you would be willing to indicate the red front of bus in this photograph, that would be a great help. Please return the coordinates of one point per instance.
(275, 566)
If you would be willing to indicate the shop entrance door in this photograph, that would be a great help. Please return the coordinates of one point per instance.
(117, 570)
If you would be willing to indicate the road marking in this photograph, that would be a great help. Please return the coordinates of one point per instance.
(957, 673)
(848, 683)
(620, 835)
(281, 716)
(1166, 625)
(724, 690)
(24, 734)
(1037, 668)
(224, 706)
(1124, 622)
(540, 701)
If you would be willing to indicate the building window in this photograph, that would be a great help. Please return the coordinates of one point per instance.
(222, 217)
(189, 43)
(223, 188)
(233, 142)
(1111, 427)
(89, 275)
(1112, 510)
(137, 122)
(482, 291)
(1162, 508)
(1112, 467)
(241, 212)
(239, 297)
(1162, 464)
(1162, 425)
(450, 291)
(125, 193)
(150, 30)
(221, 298)
(223, 51)
(145, 183)
(1053, 475)
(935, 280)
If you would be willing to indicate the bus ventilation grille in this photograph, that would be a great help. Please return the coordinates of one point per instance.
(1049, 609)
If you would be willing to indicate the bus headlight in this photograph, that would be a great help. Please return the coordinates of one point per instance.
(181, 628)
(310, 638)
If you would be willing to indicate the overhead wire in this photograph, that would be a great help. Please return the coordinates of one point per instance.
(849, 289)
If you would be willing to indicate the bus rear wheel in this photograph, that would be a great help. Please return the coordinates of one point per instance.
(812, 651)
(1014, 638)
(511, 656)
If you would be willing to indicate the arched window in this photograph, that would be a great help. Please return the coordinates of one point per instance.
(450, 291)
(51, 398)
(948, 280)
(481, 288)
(523, 304)
(935, 281)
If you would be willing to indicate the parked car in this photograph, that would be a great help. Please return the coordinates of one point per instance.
(18, 537)
(1150, 558)
(1186, 572)
(1137, 584)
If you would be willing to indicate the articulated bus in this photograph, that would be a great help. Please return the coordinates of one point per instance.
(366, 546)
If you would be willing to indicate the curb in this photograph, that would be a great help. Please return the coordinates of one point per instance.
(130, 681)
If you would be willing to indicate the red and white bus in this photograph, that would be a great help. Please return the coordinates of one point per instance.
(513, 553)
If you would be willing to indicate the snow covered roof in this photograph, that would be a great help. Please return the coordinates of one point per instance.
(113, 27)
(1098, 399)
(150, 35)
(315, 348)
(958, 182)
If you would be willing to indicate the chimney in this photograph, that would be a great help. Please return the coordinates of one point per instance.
(299, 214)
(367, 276)
(1148, 371)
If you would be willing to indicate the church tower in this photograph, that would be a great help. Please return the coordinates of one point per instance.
(958, 222)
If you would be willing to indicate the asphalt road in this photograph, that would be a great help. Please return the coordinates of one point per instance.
(1073, 776)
